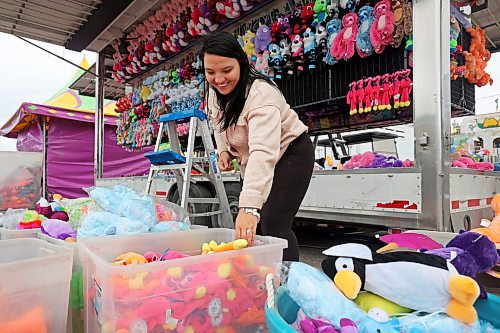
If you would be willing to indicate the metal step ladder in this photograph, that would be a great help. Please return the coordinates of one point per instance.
(182, 165)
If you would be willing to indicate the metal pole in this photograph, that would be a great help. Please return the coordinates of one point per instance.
(99, 119)
(432, 109)
(44, 157)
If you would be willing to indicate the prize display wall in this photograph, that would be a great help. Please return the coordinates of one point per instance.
(342, 65)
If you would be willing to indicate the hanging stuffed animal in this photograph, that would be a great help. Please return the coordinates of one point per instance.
(352, 98)
(333, 28)
(360, 91)
(262, 38)
(319, 12)
(368, 94)
(399, 29)
(249, 46)
(396, 88)
(385, 102)
(332, 10)
(262, 63)
(310, 48)
(405, 86)
(275, 59)
(345, 42)
(297, 52)
(376, 92)
(286, 59)
(347, 6)
(363, 43)
(306, 17)
(320, 37)
(381, 31)
(418, 281)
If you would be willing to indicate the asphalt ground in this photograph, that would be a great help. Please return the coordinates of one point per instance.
(314, 239)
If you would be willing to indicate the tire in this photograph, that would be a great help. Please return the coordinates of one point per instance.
(197, 191)
(233, 190)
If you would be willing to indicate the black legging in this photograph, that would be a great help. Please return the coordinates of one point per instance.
(292, 175)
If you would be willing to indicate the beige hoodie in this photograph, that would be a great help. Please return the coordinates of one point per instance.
(261, 135)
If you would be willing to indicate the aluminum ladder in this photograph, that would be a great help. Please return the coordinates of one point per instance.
(182, 165)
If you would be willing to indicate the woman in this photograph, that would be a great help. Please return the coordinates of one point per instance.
(254, 124)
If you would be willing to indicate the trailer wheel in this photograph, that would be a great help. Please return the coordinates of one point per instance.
(197, 191)
(233, 197)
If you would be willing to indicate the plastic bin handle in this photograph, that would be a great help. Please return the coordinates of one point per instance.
(44, 250)
(270, 290)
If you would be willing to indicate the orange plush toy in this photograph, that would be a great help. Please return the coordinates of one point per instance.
(477, 58)
(31, 322)
(492, 231)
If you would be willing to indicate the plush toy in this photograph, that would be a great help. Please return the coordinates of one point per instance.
(385, 102)
(414, 280)
(352, 98)
(212, 246)
(492, 229)
(284, 25)
(396, 88)
(43, 207)
(332, 10)
(333, 28)
(57, 229)
(310, 48)
(274, 61)
(249, 46)
(405, 86)
(31, 220)
(320, 8)
(381, 31)
(286, 62)
(262, 63)
(262, 38)
(360, 92)
(33, 321)
(470, 253)
(306, 18)
(345, 42)
(363, 43)
(368, 94)
(320, 38)
(297, 52)
(130, 258)
(347, 6)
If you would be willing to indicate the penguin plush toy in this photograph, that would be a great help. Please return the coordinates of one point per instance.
(414, 280)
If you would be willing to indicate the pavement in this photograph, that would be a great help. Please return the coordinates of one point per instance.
(313, 240)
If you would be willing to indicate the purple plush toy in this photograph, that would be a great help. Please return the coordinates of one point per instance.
(471, 253)
(58, 229)
(262, 38)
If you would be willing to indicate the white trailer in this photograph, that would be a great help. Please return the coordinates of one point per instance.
(431, 195)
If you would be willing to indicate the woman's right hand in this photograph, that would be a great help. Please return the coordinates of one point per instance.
(225, 161)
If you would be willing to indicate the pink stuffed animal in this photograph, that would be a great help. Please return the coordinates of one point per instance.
(344, 44)
(368, 94)
(381, 31)
(360, 96)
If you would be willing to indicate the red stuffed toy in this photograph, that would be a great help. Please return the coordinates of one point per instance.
(360, 92)
(405, 86)
(368, 94)
(396, 89)
(344, 44)
(376, 92)
(381, 31)
(352, 98)
(385, 102)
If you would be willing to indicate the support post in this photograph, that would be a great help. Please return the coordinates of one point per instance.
(432, 109)
(44, 157)
(99, 119)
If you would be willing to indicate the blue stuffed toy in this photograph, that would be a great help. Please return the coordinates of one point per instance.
(363, 43)
(310, 48)
(333, 28)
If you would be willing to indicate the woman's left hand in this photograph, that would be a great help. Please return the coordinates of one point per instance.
(246, 226)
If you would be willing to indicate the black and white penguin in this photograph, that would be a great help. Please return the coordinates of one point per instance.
(415, 280)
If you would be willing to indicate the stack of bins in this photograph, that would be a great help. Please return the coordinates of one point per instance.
(75, 310)
(200, 293)
(18, 233)
(34, 289)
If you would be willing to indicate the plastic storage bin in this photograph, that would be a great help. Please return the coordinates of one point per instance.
(76, 304)
(18, 233)
(200, 293)
(34, 291)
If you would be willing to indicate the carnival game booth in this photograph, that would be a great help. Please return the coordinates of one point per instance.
(63, 130)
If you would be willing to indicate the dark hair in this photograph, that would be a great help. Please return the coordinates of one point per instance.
(226, 45)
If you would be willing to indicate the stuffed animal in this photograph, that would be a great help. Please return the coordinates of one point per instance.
(345, 42)
(368, 94)
(286, 62)
(399, 28)
(381, 31)
(320, 8)
(385, 100)
(284, 25)
(492, 228)
(333, 28)
(405, 86)
(360, 91)
(414, 280)
(347, 6)
(310, 48)
(249, 46)
(262, 38)
(306, 17)
(262, 63)
(352, 98)
(274, 61)
(470, 253)
(332, 10)
(33, 321)
(297, 52)
(363, 43)
(320, 37)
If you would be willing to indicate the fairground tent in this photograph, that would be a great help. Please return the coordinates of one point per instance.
(70, 140)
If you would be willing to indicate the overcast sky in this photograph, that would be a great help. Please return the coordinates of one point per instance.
(29, 74)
